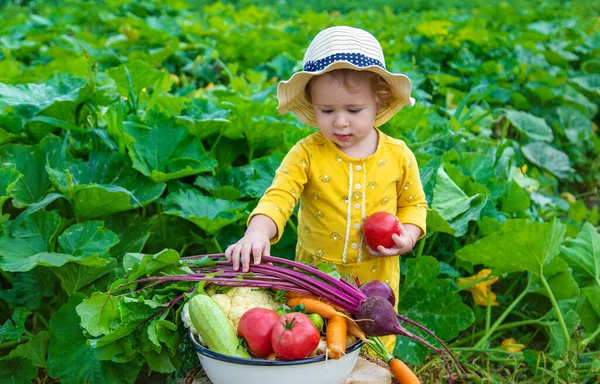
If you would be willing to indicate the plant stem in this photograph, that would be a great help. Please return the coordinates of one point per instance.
(421, 246)
(219, 249)
(488, 310)
(464, 340)
(430, 245)
(591, 337)
(293, 226)
(487, 335)
(561, 320)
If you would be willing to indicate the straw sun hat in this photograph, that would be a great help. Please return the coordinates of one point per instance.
(337, 48)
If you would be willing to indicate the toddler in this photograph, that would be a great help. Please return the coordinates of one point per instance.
(347, 170)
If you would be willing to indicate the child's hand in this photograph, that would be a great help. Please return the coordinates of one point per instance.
(255, 243)
(403, 244)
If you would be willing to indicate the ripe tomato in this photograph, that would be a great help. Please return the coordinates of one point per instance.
(255, 326)
(378, 229)
(294, 336)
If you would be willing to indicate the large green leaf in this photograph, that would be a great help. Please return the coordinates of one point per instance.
(545, 156)
(8, 178)
(162, 149)
(34, 349)
(80, 365)
(133, 232)
(98, 313)
(14, 328)
(87, 240)
(30, 99)
(454, 205)
(17, 370)
(583, 254)
(431, 301)
(557, 343)
(31, 161)
(30, 289)
(521, 245)
(134, 76)
(448, 199)
(30, 244)
(208, 213)
(104, 184)
(533, 127)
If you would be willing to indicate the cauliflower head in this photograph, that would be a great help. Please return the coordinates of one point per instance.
(240, 299)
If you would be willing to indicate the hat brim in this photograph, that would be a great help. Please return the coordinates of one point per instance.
(291, 96)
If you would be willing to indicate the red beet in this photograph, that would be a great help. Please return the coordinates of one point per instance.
(378, 288)
(377, 317)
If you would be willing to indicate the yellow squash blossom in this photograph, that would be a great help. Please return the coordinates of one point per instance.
(481, 290)
(511, 345)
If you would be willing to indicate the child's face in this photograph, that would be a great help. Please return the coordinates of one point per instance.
(346, 117)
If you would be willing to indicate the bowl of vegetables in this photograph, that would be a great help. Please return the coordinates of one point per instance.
(224, 369)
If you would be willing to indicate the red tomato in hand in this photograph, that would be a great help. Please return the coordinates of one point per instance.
(378, 229)
(255, 326)
(294, 336)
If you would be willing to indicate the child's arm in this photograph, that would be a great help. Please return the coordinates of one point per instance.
(256, 241)
(409, 233)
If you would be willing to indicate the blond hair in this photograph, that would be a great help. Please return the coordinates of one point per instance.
(382, 92)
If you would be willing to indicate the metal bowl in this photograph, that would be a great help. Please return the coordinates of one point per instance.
(223, 369)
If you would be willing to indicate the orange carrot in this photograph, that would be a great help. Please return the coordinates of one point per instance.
(354, 330)
(298, 295)
(271, 356)
(336, 337)
(402, 373)
(315, 306)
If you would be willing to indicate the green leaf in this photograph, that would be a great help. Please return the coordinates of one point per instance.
(98, 313)
(432, 302)
(30, 289)
(33, 350)
(448, 199)
(592, 295)
(141, 75)
(138, 264)
(104, 184)
(164, 150)
(562, 285)
(557, 344)
(73, 277)
(88, 240)
(533, 127)
(17, 370)
(133, 232)
(208, 213)
(30, 99)
(253, 179)
(521, 245)
(515, 199)
(8, 178)
(31, 161)
(29, 243)
(549, 158)
(578, 127)
(436, 223)
(80, 365)
(14, 327)
(583, 253)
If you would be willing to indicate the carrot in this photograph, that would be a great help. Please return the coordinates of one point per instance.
(298, 295)
(402, 373)
(271, 356)
(315, 306)
(336, 337)
(354, 330)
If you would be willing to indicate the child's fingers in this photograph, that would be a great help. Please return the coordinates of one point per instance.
(400, 241)
(257, 252)
(401, 228)
(245, 256)
(235, 256)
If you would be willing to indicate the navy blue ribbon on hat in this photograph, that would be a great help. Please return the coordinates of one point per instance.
(358, 59)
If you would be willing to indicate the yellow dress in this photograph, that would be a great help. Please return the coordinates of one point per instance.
(336, 193)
